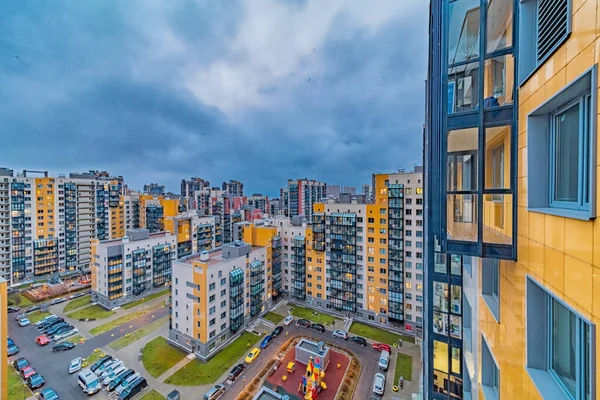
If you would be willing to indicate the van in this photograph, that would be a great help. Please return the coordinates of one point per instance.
(215, 392)
(384, 360)
(88, 381)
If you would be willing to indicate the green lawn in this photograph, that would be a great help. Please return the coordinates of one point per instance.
(152, 395)
(78, 303)
(74, 339)
(16, 391)
(17, 299)
(158, 356)
(37, 316)
(199, 373)
(308, 314)
(138, 334)
(94, 311)
(145, 299)
(117, 322)
(379, 335)
(273, 317)
(403, 368)
(92, 358)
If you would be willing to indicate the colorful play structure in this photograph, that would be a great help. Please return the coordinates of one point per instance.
(313, 381)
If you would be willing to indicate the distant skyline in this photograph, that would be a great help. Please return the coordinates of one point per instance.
(258, 90)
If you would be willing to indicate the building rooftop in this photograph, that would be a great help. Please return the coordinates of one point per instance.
(218, 255)
(134, 235)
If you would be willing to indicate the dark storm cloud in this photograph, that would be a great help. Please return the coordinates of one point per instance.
(259, 91)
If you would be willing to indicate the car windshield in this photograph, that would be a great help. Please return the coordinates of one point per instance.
(93, 383)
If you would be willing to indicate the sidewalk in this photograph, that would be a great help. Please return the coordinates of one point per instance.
(412, 383)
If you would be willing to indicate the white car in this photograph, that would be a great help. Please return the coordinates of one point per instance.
(75, 365)
(340, 334)
(66, 334)
(44, 320)
(113, 374)
(105, 366)
(126, 383)
(24, 322)
(379, 383)
(288, 320)
(110, 369)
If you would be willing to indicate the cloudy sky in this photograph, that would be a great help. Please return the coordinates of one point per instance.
(255, 90)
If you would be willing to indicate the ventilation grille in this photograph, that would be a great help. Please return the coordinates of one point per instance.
(552, 19)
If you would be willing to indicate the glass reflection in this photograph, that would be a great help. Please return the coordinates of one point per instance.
(463, 31)
(499, 76)
(499, 24)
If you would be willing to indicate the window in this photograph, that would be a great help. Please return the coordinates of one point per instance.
(409, 233)
(371, 220)
(211, 311)
(544, 26)
(419, 233)
(382, 271)
(408, 211)
(223, 281)
(408, 202)
(223, 292)
(490, 285)
(408, 254)
(211, 298)
(382, 211)
(408, 275)
(382, 241)
(560, 134)
(407, 264)
(419, 245)
(407, 191)
(559, 345)
(490, 374)
(382, 221)
(382, 261)
(211, 286)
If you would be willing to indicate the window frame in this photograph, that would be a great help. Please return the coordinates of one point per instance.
(585, 103)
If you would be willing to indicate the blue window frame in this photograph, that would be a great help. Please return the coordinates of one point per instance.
(569, 340)
(570, 155)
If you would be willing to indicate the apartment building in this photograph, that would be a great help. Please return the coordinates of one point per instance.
(194, 233)
(233, 188)
(274, 207)
(284, 201)
(148, 211)
(4, 366)
(215, 294)
(334, 191)
(190, 187)
(208, 200)
(46, 223)
(258, 201)
(154, 189)
(303, 194)
(131, 267)
(511, 198)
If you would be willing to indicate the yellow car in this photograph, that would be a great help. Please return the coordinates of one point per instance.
(252, 355)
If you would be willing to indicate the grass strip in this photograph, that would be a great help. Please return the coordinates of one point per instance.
(138, 334)
(158, 356)
(78, 303)
(145, 299)
(91, 312)
(379, 335)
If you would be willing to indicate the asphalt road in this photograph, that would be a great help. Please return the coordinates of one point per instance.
(368, 358)
(53, 366)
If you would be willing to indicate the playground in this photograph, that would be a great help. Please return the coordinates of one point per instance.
(309, 371)
(56, 286)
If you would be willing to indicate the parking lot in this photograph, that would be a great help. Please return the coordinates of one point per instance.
(53, 366)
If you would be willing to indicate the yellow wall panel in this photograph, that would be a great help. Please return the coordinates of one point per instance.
(554, 272)
(579, 239)
(578, 284)
(554, 232)
(537, 227)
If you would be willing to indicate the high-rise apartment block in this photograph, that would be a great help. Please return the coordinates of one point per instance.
(216, 293)
(334, 191)
(47, 223)
(233, 188)
(511, 200)
(154, 189)
(284, 201)
(194, 232)
(303, 194)
(128, 268)
(190, 187)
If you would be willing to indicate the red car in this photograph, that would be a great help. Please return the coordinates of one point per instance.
(27, 372)
(42, 340)
(381, 347)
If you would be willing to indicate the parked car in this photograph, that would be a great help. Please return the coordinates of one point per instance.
(27, 372)
(12, 309)
(24, 322)
(42, 340)
(61, 331)
(66, 334)
(20, 316)
(10, 342)
(236, 371)
(214, 392)
(20, 363)
(361, 341)
(266, 342)
(35, 381)
(288, 320)
(106, 365)
(77, 295)
(318, 327)
(113, 374)
(340, 334)
(58, 301)
(101, 361)
(45, 319)
(33, 308)
(137, 386)
(119, 379)
(48, 394)
(12, 350)
(303, 323)
(276, 332)
(75, 365)
(382, 347)
(252, 355)
(379, 384)
(50, 323)
(108, 370)
(64, 346)
(126, 384)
